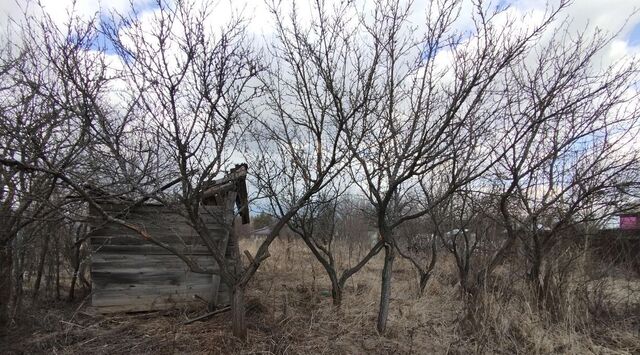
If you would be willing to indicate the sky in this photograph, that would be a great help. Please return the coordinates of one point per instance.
(606, 14)
(615, 16)
(609, 15)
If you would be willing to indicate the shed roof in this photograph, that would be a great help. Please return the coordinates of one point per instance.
(235, 180)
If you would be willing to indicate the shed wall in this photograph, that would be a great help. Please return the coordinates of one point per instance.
(131, 274)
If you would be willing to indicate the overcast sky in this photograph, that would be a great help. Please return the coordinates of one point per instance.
(609, 15)
(606, 14)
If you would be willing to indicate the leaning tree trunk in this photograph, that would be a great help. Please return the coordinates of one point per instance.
(385, 291)
(5, 283)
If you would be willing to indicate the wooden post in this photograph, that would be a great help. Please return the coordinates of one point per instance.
(237, 312)
(228, 217)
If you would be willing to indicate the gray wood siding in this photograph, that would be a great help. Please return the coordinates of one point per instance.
(131, 274)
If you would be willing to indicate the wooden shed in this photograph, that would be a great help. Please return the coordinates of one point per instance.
(131, 274)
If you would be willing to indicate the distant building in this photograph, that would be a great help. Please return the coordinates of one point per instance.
(373, 236)
(629, 221)
(261, 232)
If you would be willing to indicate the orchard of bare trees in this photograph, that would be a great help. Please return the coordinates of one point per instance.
(460, 142)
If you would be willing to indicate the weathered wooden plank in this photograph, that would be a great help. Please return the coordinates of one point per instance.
(129, 273)
(154, 226)
(132, 238)
(142, 288)
(113, 278)
(117, 208)
(139, 264)
(223, 296)
(135, 240)
(168, 229)
(141, 303)
(131, 297)
(147, 271)
(149, 264)
(213, 219)
(168, 265)
(157, 209)
(148, 290)
(135, 260)
(148, 249)
(152, 285)
(158, 215)
(159, 230)
(157, 306)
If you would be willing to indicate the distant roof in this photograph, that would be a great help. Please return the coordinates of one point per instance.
(262, 231)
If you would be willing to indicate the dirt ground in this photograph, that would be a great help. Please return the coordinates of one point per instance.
(290, 312)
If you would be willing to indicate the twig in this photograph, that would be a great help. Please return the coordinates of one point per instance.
(80, 306)
(197, 297)
(208, 315)
(88, 341)
(73, 324)
(248, 254)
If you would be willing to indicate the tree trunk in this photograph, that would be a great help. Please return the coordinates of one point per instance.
(83, 280)
(534, 277)
(466, 286)
(385, 291)
(36, 285)
(18, 289)
(424, 279)
(534, 270)
(237, 312)
(5, 283)
(76, 269)
(336, 290)
(57, 269)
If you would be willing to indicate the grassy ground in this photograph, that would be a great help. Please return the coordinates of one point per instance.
(290, 312)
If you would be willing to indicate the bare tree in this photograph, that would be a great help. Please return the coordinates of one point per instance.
(177, 121)
(468, 227)
(320, 81)
(573, 165)
(418, 243)
(191, 84)
(428, 112)
(38, 134)
(317, 225)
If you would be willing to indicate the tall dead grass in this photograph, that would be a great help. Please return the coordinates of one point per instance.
(592, 314)
(290, 311)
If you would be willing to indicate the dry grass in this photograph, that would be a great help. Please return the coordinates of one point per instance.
(290, 312)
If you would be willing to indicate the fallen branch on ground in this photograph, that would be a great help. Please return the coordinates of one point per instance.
(207, 315)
